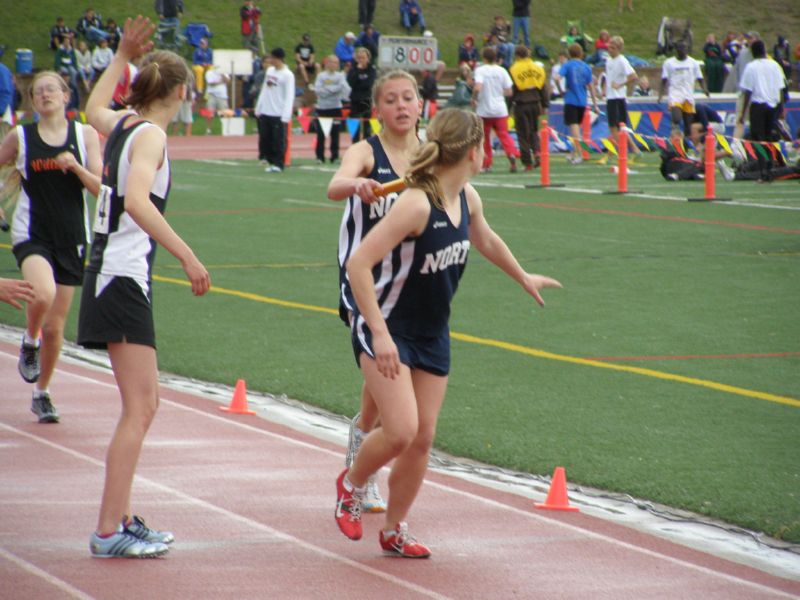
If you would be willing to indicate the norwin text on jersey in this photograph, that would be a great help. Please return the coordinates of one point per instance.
(454, 254)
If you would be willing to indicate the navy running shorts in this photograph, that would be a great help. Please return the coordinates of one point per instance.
(431, 354)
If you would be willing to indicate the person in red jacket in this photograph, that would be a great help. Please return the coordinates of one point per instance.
(252, 37)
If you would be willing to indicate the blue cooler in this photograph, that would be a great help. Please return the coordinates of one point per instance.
(24, 60)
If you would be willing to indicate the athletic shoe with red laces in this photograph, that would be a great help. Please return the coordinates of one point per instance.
(400, 543)
(348, 509)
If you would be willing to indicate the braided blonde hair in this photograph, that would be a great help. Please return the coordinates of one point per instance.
(450, 135)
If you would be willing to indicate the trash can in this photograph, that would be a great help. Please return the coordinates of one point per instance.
(24, 60)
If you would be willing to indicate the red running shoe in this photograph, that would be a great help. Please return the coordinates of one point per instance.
(348, 510)
(400, 543)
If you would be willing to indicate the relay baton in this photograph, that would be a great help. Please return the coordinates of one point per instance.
(395, 185)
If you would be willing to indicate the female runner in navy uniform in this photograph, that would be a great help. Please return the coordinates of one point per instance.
(116, 308)
(400, 331)
(56, 159)
(366, 165)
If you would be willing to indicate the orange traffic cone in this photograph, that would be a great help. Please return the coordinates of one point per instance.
(239, 401)
(557, 496)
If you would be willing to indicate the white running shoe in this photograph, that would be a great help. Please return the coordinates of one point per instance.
(373, 502)
(122, 544)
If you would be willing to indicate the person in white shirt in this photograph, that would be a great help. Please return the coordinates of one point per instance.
(762, 86)
(274, 111)
(678, 77)
(619, 73)
(492, 86)
(101, 57)
(216, 94)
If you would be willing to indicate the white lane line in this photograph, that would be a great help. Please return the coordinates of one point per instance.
(439, 486)
(44, 575)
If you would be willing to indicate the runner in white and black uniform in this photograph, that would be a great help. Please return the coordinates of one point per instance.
(116, 309)
(56, 159)
(117, 304)
(403, 276)
(367, 165)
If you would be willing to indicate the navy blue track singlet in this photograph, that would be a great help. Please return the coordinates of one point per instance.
(416, 282)
(359, 218)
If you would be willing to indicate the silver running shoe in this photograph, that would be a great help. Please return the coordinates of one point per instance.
(373, 502)
(124, 545)
(354, 437)
(43, 408)
(28, 364)
(138, 529)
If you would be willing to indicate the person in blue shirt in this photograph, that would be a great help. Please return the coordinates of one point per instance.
(202, 59)
(411, 15)
(345, 50)
(576, 77)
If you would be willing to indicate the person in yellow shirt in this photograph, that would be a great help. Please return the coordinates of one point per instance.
(531, 97)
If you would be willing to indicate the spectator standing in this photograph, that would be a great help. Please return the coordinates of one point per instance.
(679, 75)
(216, 93)
(762, 87)
(202, 61)
(184, 115)
(411, 15)
(361, 78)
(714, 67)
(429, 92)
(90, 26)
(331, 88)
(369, 39)
(274, 111)
(531, 99)
(619, 75)
(169, 17)
(252, 38)
(520, 19)
(492, 86)
(366, 13)
(7, 90)
(57, 33)
(307, 64)
(782, 53)
(621, 5)
(577, 78)
(734, 79)
(345, 49)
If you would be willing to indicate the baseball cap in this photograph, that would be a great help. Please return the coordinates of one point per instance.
(278, 53)
(350, 35)
(428, 33)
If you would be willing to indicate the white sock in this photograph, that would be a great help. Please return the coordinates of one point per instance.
(351, 488)
(30, 341)
(39, 393)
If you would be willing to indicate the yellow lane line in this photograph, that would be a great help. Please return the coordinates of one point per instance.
(463, 337)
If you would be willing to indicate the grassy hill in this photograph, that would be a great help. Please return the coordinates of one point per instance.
(27, 25)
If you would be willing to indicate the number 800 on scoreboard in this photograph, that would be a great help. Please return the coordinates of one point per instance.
(409, 53)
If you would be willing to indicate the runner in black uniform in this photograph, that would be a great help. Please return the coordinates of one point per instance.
(367, 164)
(116, 310)
(400, 332)
(56, 158)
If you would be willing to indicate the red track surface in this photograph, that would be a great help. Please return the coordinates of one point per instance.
(251, 504)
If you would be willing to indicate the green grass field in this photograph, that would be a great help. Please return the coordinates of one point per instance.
(327, 20)
(666, 368)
